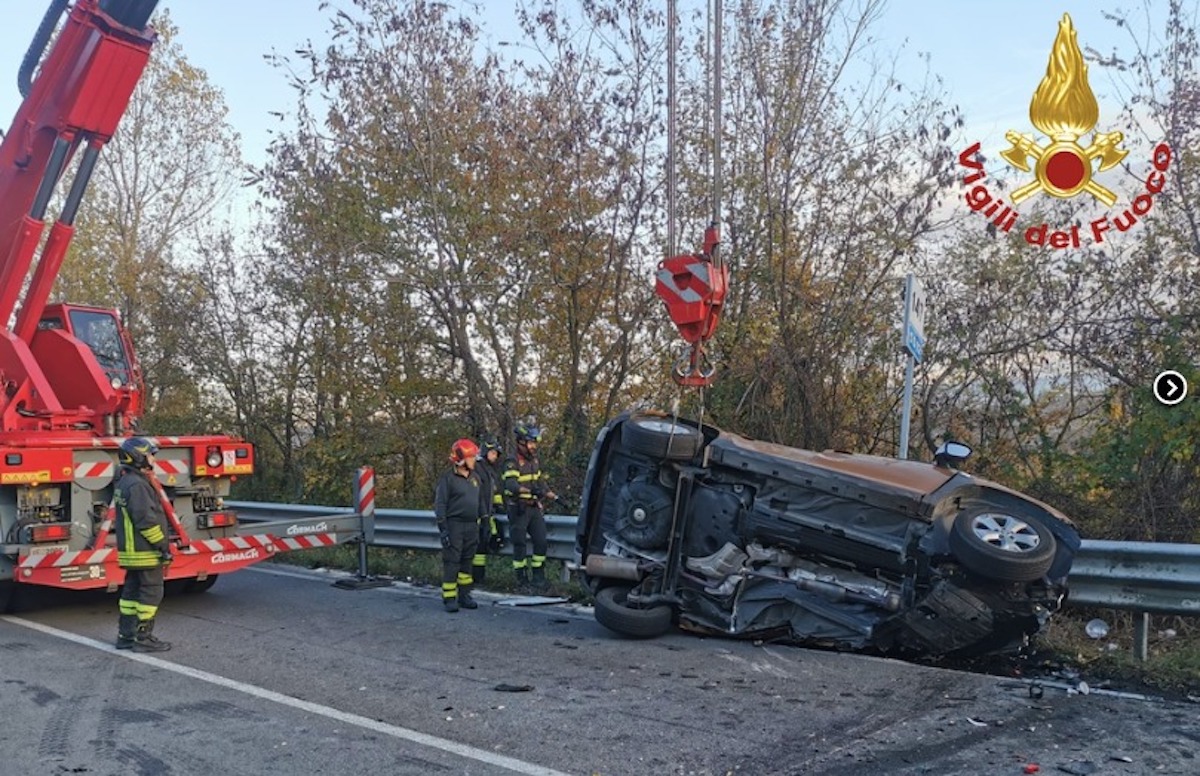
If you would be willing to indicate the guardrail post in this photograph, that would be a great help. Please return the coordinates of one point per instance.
(1141, 635)
(364, 505)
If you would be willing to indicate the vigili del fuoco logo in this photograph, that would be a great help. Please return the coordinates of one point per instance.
(1064, 109)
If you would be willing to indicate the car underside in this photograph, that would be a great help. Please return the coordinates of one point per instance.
(686, 525)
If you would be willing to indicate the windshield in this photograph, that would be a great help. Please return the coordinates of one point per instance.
(98, 330)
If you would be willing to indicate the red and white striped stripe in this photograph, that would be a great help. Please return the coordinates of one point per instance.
(67, 558)
(95, 469)
(161, 441)
(168, 467)
(266, 542)
(364, 491)
(307, 542)
(232, 544)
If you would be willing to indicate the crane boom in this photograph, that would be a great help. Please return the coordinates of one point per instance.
(50, 379)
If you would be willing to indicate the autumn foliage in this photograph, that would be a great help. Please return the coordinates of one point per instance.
(456, 232)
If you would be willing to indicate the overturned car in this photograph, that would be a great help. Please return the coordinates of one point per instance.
(687, 525)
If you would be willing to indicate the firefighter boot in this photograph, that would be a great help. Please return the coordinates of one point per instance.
(146, 641)
(539, 579)
(522, 576)
(451, 603)
(464, 597)
(126, 631)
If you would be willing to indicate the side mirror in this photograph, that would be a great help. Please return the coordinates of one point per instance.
(951, 454)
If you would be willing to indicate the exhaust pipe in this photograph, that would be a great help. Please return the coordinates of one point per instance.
(612, 568)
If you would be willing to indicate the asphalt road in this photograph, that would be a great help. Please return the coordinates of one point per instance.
(275, 671)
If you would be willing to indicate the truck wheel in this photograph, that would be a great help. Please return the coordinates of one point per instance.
(614, 613)
(190, 586)
(8, 596)
(661, 438)
(201, 585)
(1002, 543)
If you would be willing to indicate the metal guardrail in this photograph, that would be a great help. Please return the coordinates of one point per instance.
(1142, 577)
(412, 529)
(1138, 576)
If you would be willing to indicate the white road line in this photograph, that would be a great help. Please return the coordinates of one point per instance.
(453, 747)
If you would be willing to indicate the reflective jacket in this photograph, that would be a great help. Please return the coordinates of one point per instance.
(522, 472)
(141, 521)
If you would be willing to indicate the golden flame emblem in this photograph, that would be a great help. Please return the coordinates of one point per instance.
(1064, 108)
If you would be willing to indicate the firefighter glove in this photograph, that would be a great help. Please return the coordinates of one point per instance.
(165, 557)
(497, 541)
(444, 535)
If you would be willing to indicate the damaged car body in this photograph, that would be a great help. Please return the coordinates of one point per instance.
(687, 525)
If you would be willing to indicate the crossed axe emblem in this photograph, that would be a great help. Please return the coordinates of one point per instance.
(1064, 168)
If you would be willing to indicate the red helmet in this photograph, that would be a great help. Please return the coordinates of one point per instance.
(463, 449)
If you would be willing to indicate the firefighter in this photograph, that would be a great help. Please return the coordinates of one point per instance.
(488, 468)
(143, 548)
(458, 504)
(525, 490)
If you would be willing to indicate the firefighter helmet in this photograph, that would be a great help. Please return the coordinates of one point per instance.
(463, 449)
(133, 452)
(527, 432)
(490, 444)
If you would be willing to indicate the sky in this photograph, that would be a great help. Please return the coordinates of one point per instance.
(990, 55)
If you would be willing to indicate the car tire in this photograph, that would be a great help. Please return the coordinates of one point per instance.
(613, 613)
(1002, 543)
(661, 438)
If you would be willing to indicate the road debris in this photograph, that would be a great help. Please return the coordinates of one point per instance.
(1037, 689)
(532, 600)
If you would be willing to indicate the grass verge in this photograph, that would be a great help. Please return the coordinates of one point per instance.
(1172, 666)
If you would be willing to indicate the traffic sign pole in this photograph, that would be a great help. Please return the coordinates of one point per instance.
(906, 406)
(912, 333)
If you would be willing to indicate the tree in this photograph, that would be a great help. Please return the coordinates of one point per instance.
(831, 183)
(1047, 357)
(500, 208)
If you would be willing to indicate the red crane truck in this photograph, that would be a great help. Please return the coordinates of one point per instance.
(70, 386)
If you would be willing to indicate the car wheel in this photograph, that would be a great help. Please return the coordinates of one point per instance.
(613, 612)
(1001, 543)
(661, 438)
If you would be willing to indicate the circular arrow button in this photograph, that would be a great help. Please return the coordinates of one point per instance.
(1170, 387)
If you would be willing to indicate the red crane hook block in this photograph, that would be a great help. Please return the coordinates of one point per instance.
(693, 286)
